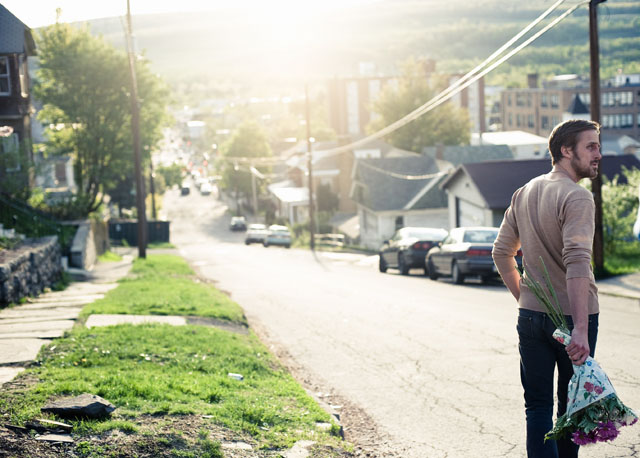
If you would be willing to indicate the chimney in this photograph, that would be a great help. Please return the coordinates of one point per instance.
(532, 80)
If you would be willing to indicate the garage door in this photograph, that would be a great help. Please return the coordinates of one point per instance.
(469, 214)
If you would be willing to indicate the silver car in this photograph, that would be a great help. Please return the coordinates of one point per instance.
(256, 233)
(278, 235)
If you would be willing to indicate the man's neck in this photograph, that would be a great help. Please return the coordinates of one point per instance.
(564, 167)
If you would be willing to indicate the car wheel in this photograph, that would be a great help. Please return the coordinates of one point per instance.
(402, 265)
(382, 265)
(246, 242)
(287, 246)
(266, 244)
(456, 276)
(431, 270)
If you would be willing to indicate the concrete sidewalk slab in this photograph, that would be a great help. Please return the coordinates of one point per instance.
(9, 373)
(52, 328)
(13, 351)
(53, 313)
(622, 285)
(113, 320)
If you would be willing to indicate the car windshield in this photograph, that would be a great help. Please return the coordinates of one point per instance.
(428, 234)
(480, 236)
(257, 227)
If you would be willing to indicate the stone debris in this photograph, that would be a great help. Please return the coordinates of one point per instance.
(83, 406)
(236, 446)
(299, 450)
(55, 438)
(55, 427)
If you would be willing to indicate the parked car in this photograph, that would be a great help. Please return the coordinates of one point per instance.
(185, 189)
(278, 235)
(408, 247)
(238, 223)
(206, 188)
(464, 252)
(256, 232)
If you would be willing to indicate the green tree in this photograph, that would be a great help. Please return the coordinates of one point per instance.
(248, 141)
(84, 84)
(445, 124)
(619, 209)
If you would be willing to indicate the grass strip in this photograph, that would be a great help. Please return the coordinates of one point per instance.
(170, 372)
(164, 284)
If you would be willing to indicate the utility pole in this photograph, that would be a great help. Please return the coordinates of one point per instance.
(312, 242)
(596, 183)
(152, 190)
(137, 146)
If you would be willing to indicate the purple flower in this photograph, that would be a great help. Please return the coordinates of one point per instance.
(581, 438)
(598, 389)
(606, 431)
(588, 386)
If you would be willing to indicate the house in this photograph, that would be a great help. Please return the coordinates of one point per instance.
(394, 192)
(480, 193)
(329, 169)
(466, 154)
(16, 44)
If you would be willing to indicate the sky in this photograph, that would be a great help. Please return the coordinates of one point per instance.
(38, 13)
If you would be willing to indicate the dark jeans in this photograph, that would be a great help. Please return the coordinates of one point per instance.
(539, 355)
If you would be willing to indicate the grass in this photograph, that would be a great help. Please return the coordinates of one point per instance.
(625, 259)
(109, 256)
(170, 371)
(166, 285)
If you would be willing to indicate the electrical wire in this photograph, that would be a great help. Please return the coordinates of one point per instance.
(455, 88)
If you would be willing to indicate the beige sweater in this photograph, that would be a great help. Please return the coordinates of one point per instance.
(550, 217)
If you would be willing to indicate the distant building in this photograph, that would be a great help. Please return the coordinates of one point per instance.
(472, 99)
(523, 145)
(351, 103)
(538, 109)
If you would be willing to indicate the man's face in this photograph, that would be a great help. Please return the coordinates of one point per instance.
(586, 155)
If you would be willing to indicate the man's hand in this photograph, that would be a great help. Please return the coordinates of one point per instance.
(578, 350)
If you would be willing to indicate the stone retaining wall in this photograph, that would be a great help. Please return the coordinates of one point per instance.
(28, 269)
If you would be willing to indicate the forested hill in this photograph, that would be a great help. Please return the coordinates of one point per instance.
(229, 43)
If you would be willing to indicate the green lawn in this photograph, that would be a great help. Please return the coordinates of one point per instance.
(170, 372)
(166, 285)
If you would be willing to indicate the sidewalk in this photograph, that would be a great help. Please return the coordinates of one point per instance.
(622, 286)
(25, 328)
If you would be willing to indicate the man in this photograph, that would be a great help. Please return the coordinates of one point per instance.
(552, 217)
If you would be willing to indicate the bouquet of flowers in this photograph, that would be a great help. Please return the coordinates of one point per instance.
(594, 411)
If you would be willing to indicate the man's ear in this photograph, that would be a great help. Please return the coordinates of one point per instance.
(565, 151)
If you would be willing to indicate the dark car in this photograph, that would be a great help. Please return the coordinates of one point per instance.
(466, 251)
(408, 247)
(238, 223)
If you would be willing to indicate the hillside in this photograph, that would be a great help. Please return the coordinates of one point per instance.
(235, 45)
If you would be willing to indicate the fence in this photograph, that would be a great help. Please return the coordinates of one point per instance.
(332, 240)
(126, 231)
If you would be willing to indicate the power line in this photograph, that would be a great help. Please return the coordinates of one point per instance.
(450, 91)
(402, 176)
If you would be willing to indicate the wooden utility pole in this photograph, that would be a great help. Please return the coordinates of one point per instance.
(137, 145)
(312, 226)
(596, 183)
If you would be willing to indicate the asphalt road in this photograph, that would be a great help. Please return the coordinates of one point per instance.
(433, 365)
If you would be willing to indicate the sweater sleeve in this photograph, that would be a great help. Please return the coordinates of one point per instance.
(507, 243)
(578, 227)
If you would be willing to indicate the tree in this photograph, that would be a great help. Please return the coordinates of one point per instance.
(84, 85)
(248, 141)
(445, 124)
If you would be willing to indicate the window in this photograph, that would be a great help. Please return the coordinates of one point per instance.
(585, 98)
(5, 86)
(530, 122)
(509, 99)
(399, 222)
(10, 152)
(554, 121)
(544, 120)
(518, 121)
(528, 100)
(554, 101)
(511, 119)
(519, 99)
(544, 101)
